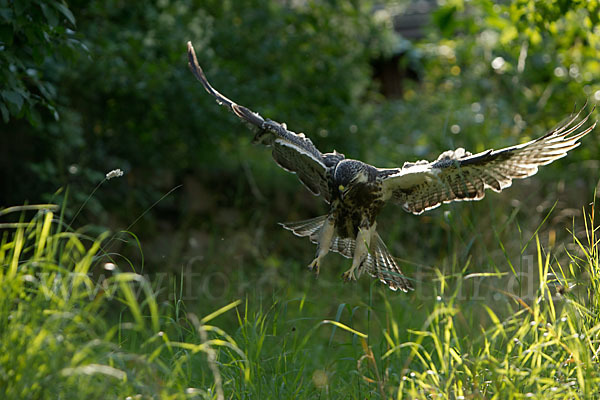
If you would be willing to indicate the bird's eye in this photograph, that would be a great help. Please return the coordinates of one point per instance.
(341, 188)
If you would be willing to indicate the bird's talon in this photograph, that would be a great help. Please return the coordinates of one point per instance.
(314, 266)
(349, 275)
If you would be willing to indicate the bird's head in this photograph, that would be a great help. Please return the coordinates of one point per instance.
(347, 174)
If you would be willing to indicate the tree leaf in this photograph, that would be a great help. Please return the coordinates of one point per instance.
(64, 11)
(5, 114)
(445, 19)
(6, 14)
(50, 15)
(13, 98)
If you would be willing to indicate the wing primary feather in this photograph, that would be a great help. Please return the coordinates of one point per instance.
(574, 118)
(574, 128)
(459, 176)
(293, 152)
(240, 111)
(307, 227)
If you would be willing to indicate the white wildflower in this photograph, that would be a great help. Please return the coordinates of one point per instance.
(115, 173)
(110, 266)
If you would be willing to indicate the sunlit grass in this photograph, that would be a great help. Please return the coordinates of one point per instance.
(76, 323)
(73, 329)
(541, 345)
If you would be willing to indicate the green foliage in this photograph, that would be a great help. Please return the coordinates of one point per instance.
(498, 71)
(35, 37)
(490, 75)
(74, 324)
(544, 349)
(451, 343)
(60, 336)
(131, 102)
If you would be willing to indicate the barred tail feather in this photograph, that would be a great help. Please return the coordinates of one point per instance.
(382, 266)
(379, 262)
(311, 228)
(307, 227)
(344, 246)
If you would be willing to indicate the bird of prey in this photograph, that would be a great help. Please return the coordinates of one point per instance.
(356, 191)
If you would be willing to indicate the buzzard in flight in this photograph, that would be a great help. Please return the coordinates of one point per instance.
(356, 191)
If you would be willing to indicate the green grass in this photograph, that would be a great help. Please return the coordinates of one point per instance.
(76, 322)
(73, 326)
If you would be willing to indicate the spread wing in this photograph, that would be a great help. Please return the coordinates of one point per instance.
(459, 175)
(291, 151)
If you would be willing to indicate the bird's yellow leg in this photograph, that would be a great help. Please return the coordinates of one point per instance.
(363, 241)
(323, 244)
